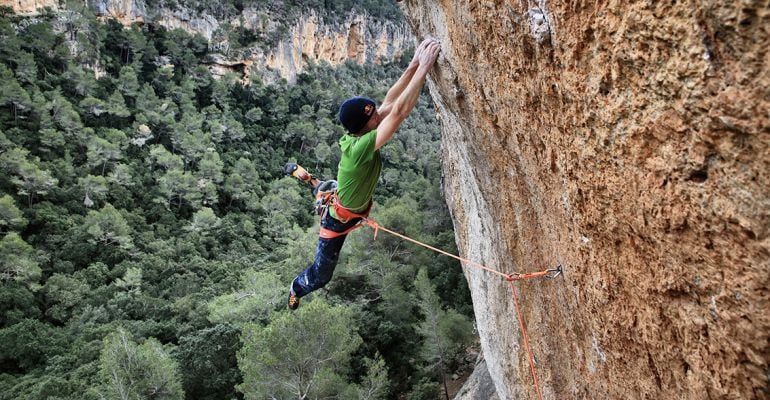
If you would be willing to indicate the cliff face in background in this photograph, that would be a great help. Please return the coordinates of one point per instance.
(630, 143)
(358, 38)
(27, 7)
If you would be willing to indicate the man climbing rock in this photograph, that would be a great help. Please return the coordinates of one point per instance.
(369, 128)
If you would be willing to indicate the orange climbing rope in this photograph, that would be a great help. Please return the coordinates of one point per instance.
(526, 342)
(551, 273)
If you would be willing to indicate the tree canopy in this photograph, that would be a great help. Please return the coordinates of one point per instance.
(148, 235)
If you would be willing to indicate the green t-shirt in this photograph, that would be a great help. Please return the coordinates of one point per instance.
(358, 171)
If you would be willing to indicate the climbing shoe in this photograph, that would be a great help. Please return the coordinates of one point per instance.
(293, 302)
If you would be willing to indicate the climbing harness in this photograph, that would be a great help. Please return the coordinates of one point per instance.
(345, 214)
(329, 199)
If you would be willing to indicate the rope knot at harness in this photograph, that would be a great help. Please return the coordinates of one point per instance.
(373, 225)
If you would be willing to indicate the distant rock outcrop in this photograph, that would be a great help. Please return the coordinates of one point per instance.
(30, 7)
(629, 141)
(358, 38)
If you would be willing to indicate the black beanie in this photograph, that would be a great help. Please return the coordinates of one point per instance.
(356, 112)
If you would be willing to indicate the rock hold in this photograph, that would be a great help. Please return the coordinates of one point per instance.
(539, 26)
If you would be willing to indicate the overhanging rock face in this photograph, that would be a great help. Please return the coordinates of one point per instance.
(630, 143)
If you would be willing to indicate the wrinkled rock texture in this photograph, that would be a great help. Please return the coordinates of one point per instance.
(359, 38)
(630, 142)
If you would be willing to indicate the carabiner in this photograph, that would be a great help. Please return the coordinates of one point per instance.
(554, 272)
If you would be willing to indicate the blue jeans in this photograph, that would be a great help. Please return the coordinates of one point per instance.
(327, 253)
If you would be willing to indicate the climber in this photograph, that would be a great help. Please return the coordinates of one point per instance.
(368, 129)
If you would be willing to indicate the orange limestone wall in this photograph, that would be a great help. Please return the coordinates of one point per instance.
(630, 142)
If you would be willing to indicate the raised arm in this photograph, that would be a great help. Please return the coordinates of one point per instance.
(403, 81)
(405, 102)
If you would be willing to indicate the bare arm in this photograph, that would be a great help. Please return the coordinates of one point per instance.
(406, 101)
(396, 90)
(398, 87)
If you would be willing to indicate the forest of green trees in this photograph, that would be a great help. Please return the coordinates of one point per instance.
(148, 236)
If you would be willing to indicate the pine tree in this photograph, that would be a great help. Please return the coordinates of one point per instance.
(108, 227)
(243, 182)
(17, 260)
(210, 167)
(78, 81)
(133, 372)
(128, 83)
(121, 175)
(11, 93)
(93, 106)
(178, 187)
(66, 118)
(11, 218)
(259, 293)
(445, 332)
(105, 149)
(300, 355)
(204, 221)
(26, 68)
(94, 188)
(64, 294)
(165, 159)
(116, 105)
(31, 180)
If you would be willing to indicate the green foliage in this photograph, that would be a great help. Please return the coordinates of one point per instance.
(298, 355)
(108, 227)
(424, 389)
(204, 221)
(131, 282)
(446, 333)
(208, 359)
(336, 10)
(150, 200)
(10, 215)
(259, 293)
(63, 295)
(12, 94)
(375, 384)
(18, 260)
(105, 149)
(137, 371)
(28, 344)
(242, 184)
(282, 207)
(94, 188)
(17, 302)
